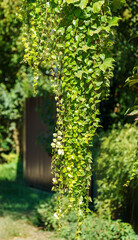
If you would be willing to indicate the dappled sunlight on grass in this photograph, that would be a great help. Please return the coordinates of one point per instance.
(18, 204)
(18, 229)
(15, 197)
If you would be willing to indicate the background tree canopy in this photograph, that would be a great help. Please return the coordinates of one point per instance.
(16, 81)
(16, 78)
(124, 50)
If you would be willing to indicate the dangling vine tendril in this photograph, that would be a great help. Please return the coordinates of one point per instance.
(74, 40)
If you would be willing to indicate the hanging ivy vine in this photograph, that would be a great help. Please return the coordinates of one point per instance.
(73, 39)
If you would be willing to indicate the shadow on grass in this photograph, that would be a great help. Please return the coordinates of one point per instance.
(16, 198)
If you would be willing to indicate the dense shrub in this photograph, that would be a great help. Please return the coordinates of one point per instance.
(116, 170)
(116, 166)
(7, 158)
(8, 171)
(93, 227)
(45, 214)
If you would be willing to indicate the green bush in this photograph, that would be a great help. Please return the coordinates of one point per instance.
(100, 229)
(11, 157)
(93, 227)
(45, 214)
(8, 171)
(116, 166)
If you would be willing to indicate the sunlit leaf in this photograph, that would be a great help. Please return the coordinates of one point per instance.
(83, 4)
(97, 6)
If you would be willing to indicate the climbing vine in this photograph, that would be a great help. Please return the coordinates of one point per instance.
(73, 40)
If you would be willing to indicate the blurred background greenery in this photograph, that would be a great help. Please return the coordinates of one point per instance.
(16, 77)
(114, 149)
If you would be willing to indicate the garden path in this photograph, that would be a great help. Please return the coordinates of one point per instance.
(11, 229)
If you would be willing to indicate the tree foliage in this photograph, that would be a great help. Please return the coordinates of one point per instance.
(10, 68)
(133, 81)
(124, 51)
(16, 78)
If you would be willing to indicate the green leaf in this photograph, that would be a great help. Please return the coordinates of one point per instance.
(97, 6)
(135, 112)
(69, 29)
(79, 74)
(114, 21)
(37, 10)
(85, 48)
(83, 4)
(102, 56)
(75, 22)
(98, 84)
(90, 32)
(71, 1)
(132, 80)
(108, 63)
(61, 30)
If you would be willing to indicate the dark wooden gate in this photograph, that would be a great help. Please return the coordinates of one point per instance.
(37, 162)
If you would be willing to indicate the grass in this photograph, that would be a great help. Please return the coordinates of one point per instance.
(18, 229)
(18, 202)
(15, 197)
(10, 227)
(18, 205)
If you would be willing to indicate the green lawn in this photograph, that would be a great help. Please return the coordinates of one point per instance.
(18, 204)
(15, 197)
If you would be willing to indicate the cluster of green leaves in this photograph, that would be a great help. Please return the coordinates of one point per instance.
(133, 81)
(8, 170)
(11, 54)
(124, 51)
(116, 167)
(16, 78)
(37, 35)
(7, 158)
(83, 42)
(11, 107)
(94, 226)
(75, 38)
(10, 42)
